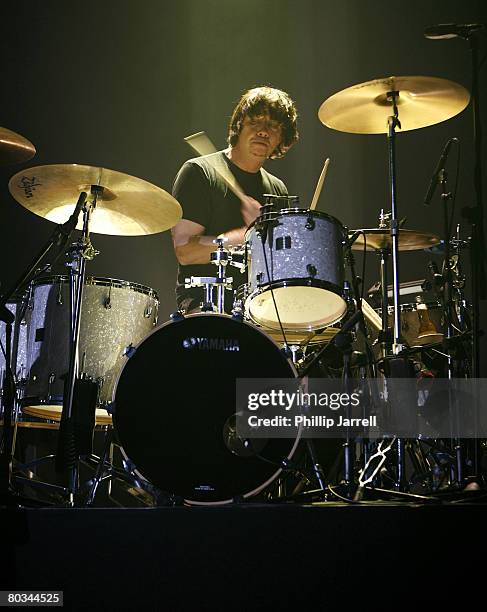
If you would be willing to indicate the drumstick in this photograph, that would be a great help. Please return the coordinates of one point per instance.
(371, 316)
(319, 185)
(203, 145)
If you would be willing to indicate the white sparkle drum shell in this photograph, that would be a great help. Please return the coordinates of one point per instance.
(182, 379)
(299, 255)
(19, 340)
(115, 315)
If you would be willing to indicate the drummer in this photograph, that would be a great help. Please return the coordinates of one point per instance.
(263, 126)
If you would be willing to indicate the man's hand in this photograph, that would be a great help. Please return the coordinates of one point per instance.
(250, 209)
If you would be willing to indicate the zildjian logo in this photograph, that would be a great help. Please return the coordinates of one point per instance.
(28, 185)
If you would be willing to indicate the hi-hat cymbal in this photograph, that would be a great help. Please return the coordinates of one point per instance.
(379, 238)
(128, 206)
(365, 108)
(14, 148)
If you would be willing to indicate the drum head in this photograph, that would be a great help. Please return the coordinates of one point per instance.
(175, 407)
(300, 308)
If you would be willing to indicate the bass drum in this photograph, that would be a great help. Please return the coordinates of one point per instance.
(182, 377)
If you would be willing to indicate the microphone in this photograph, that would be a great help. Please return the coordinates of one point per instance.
(440, 166)
(443, 31)
(435, 274)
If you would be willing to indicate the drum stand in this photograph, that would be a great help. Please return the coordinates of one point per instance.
(221, 257)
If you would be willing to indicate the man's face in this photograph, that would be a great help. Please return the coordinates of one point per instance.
(259, 136)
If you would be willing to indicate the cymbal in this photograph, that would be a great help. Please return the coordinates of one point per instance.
(128, 206)
(378, 238)
(14, 148)
(365, 108)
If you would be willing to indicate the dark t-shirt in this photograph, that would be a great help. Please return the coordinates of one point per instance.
(207, 200)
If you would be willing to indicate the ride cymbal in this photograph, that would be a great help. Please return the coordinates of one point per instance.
(377, 239)
(128, 206)
(365, 108)
(14, 148)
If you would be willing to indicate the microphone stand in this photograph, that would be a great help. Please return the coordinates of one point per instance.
(66, 459)
(447, 313)
(59, 237)
(475, 214)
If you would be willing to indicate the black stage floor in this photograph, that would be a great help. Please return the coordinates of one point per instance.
(376, 555)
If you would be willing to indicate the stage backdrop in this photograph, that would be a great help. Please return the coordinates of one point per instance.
(119, 84)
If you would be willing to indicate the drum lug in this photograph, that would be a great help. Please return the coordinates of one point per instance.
(287, 352)
(176, 316)
(129, 351)
(310, 223)
(311, 270)
(237, 313)
(110, 407)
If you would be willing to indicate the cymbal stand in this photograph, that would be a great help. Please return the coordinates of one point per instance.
(392, 123)
(82, 252)
(397, 345)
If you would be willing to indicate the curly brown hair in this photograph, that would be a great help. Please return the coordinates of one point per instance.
(266, 101)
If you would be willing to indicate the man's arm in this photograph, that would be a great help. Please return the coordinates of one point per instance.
(192, 246)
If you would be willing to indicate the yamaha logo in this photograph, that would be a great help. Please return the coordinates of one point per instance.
(211, 344)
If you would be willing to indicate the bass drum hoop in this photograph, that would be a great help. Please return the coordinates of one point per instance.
(271, 478)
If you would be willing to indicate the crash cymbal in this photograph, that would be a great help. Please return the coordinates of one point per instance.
(422, 101)
(380, 238)
(129, 206)
(14, 148)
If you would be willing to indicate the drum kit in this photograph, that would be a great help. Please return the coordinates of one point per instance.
(181, 438)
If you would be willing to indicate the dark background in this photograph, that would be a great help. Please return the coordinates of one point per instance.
(120, 83)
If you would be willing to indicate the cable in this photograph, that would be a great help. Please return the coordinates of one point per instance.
(271, 280)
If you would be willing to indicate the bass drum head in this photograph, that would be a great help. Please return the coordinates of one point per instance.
(175, 407)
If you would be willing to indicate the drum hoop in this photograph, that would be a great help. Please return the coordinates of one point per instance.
(98, 281)
(297, 329)
(269, 216)
(297, 440)
(412, 307)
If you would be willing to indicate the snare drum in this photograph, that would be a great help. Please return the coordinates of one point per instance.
(295, 257)
(115, 315)
(184, 376)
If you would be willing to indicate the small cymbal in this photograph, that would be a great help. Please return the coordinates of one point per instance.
(128, 206)
(377, 239)
(14, 148)
(365, 108)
